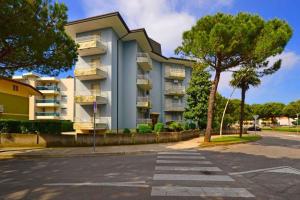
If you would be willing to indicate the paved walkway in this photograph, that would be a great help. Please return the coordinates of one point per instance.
(88, 151)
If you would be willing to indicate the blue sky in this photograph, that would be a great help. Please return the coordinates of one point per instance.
(165, 20)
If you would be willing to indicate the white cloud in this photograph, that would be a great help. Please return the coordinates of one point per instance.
(289, 59)
(164, 20)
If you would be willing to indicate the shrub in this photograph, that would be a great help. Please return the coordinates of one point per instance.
(66, 126)
(126, 131)
(175, 126)
(144, 128)
(159, 127)
(192, 125)
(34, 126)
(186, 126)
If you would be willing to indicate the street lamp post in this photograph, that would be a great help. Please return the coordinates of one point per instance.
(297, 122)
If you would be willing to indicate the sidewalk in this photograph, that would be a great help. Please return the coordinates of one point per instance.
(6, 153)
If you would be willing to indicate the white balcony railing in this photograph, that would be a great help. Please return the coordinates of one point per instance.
(144, 121)
(144, 82)
(144, 61)
(179, 107)
(90, 73)
(175, 73)
(175, 89)
(90, 45)
(87, 123)
(88, 97)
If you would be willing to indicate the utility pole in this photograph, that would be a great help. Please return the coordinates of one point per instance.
(297, 122)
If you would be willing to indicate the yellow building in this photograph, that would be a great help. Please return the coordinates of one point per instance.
(14, 99)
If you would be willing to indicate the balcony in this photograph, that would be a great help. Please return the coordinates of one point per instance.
(144, 121)
(178, 90)
(175, 73)
(143, 102)
(88, 97)
(47, 115)
(144, 61)
(47, 103)
(101, 123)
(144, 82)
(174, 107)
(91, 73)
(90, 45)
(52, 89)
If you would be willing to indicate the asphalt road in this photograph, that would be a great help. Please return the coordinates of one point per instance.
(266, 169)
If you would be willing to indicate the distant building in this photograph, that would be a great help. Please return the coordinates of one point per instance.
(57, 100)
(14, 99)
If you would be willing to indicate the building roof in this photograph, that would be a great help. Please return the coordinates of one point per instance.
(32, 90)
(115, 21)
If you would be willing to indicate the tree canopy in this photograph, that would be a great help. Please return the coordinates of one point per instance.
(32, 37)
(225, 41)
(197, 96)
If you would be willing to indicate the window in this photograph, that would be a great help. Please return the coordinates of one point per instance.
(15, 88)
(63, 111)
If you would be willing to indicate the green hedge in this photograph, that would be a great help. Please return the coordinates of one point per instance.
(34, 126)
(144, 128)
(159, 127)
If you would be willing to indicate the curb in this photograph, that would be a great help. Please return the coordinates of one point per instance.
(226, 144)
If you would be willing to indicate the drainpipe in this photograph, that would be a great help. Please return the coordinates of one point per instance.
(118, 80)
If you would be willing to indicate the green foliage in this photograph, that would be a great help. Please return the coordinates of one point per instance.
(144, 128)
(197, 95)
(66, 126)
(34, 126)
(292, 109)
(33, 38)
(244, 78)
(159, 127)
(126, 131)
(175, 126)
(189, 126)
(224, 41)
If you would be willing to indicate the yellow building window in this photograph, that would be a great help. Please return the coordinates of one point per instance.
(15, 88)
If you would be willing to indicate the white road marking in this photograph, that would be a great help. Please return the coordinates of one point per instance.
(181, 157)
(179, 168)
(191, 177)
(117, 184)
(259, 170)
(200, 191)
(182, 161)
(286, 170)
(178, 153)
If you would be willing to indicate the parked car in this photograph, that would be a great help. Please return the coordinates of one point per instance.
(252, 128)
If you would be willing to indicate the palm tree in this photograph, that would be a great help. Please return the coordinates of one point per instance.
(243, 79)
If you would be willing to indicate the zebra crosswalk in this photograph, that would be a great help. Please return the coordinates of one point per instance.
(187, 174)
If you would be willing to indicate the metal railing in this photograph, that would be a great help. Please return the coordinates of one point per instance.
(47, 114)
(50, 87)
(47, 101)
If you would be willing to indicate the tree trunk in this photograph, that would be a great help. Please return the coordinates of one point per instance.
(243, 96)
(211, 104)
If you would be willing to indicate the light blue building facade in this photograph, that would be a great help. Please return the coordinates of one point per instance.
(122, 73)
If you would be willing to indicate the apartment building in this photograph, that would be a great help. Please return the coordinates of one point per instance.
(56, 101)
(123, 74)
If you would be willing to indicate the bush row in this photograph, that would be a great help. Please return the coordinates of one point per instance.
(35, 126)
(159, 127)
